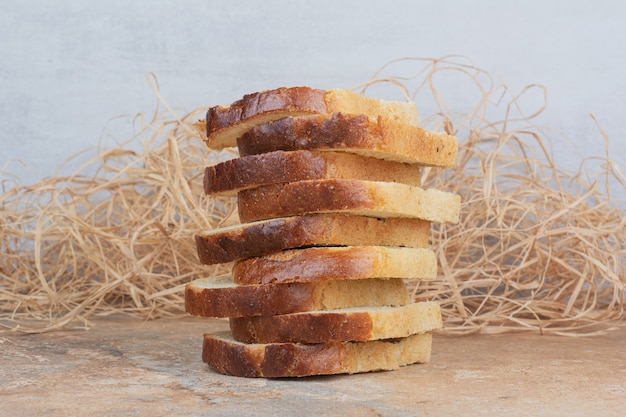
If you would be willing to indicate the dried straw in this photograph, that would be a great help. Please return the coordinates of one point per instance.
(537, 249)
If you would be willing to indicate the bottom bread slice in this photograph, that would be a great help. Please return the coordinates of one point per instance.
(275, 360)
(356, 324)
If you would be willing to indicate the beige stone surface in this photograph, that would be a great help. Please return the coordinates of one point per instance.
(125, 367)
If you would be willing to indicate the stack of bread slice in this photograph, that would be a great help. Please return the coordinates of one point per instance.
(332, 222)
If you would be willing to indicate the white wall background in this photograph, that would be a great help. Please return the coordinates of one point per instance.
(68, 67)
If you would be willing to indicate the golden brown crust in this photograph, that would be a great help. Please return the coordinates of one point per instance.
(375, 137)
(291, 199)
(225, 299)
(344, 325)
(271, 104)
(310, 328)
(247, 300)
(228, 357)
(265, 237)
(335, 131)
(306, 265)
(351, 262)
(269, 168)
(229, 177)
(275, 360)
(370, 198)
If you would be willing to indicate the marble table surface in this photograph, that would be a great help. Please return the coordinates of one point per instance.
(130, 367)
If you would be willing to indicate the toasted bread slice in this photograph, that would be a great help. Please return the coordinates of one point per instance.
(366, 198)
(356, 324)
(351, 262)
(374, 137)
(228, 177)
(260, 238)
(224, 124)
(274, 360)
(221, 297)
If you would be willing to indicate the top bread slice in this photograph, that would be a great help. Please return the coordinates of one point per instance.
(375, 137)
(276, 360)
(224, 124)
(228, 177)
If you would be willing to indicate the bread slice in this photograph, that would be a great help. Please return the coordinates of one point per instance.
(268, 236)
(350, 263)
(224, 124)
(229, 177)
(221, 297)
(369, 136)
(357, 324)
(274, 360)
(366, 198)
